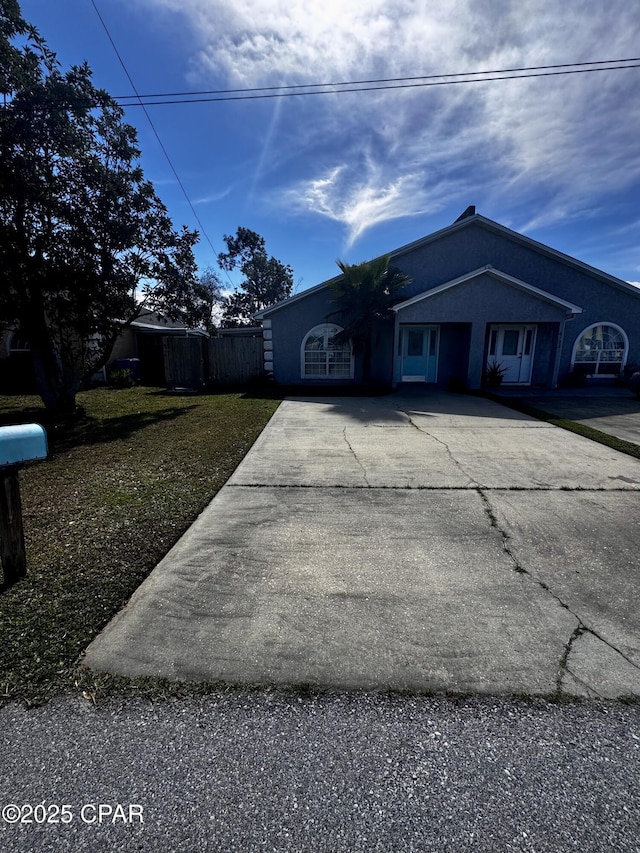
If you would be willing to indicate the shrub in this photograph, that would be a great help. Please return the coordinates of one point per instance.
(121, 378)
(494, 374)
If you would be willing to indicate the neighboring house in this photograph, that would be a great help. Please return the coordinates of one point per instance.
(240, 332)
(142, 341)
(479, 293)
(16, 365)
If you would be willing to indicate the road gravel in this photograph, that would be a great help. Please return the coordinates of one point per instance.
(261, 770)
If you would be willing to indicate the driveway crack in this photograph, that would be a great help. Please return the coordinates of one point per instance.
(581, 628)
(493, 521)
(355, 456)
(564, 669)
(472, 483)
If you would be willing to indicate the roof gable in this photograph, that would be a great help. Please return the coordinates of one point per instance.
(460, 224)
(496, 228)
(497, 274)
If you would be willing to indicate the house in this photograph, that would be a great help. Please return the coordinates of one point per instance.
(16, 365)
(479, 293)
(142, 340)
(139, 346)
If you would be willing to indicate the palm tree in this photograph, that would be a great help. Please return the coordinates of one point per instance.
(365, 293)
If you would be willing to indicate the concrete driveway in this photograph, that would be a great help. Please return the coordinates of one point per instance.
(420, 541)
(611, 410)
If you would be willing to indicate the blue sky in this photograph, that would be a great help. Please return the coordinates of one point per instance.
(352, 176)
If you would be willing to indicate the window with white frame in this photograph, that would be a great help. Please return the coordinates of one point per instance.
(601, 350)
(322, 357)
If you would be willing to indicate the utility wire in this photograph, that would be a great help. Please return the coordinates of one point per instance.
(153, 128)
(365, 88)
(579, 67)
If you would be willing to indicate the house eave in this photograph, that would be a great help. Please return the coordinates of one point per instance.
(167, 330)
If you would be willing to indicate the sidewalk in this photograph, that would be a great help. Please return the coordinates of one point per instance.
(425, 541)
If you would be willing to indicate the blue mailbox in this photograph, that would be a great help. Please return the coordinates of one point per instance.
(18, 444)
(22, 443)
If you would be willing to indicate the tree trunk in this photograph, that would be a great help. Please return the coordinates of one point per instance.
(57, 396)
(57, 392)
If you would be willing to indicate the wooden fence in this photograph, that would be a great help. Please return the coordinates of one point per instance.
(183, 362)
(234, 361)
(191, 362)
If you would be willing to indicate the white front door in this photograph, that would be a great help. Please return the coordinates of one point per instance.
(419, 353)
(512, 348)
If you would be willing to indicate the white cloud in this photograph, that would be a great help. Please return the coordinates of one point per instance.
(213, 197)
(546, 149)
(360, 202)
(262, 41)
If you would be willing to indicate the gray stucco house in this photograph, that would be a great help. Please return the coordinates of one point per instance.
(479, 293)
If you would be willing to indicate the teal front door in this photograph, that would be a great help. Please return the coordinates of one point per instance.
(419, 353)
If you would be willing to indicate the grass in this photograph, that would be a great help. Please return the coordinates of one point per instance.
(120, 487)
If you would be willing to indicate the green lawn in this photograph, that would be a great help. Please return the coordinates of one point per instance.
(118, 490)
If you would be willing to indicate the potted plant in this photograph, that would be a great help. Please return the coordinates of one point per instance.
(494, 374)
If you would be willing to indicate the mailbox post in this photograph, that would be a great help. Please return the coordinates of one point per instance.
(18, 444)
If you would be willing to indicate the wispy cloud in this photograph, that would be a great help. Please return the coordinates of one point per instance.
(360, 201)
(545, 150)
(210, 198)
(262, 41)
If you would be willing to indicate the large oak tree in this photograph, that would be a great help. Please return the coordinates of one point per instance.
(85, 242)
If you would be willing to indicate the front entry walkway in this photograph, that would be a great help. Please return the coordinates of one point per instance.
(421, 541)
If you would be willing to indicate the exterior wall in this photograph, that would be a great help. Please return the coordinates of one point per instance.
(476, 303)
(482, 298)
(382, 353)
(453, 353)
(476, 245)
(289, 325)
(125, 345)
(453, 357)
(480, 303)
(544, 356)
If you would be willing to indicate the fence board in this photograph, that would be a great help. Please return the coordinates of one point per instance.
(234, 361)
(183, 362)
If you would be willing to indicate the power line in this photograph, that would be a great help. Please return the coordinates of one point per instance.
(265, 92)
(153, 128)
(579, 67)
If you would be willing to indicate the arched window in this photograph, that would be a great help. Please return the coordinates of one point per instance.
(322, 358)
(601, 350)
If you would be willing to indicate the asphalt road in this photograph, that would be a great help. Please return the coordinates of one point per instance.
(254, 771)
